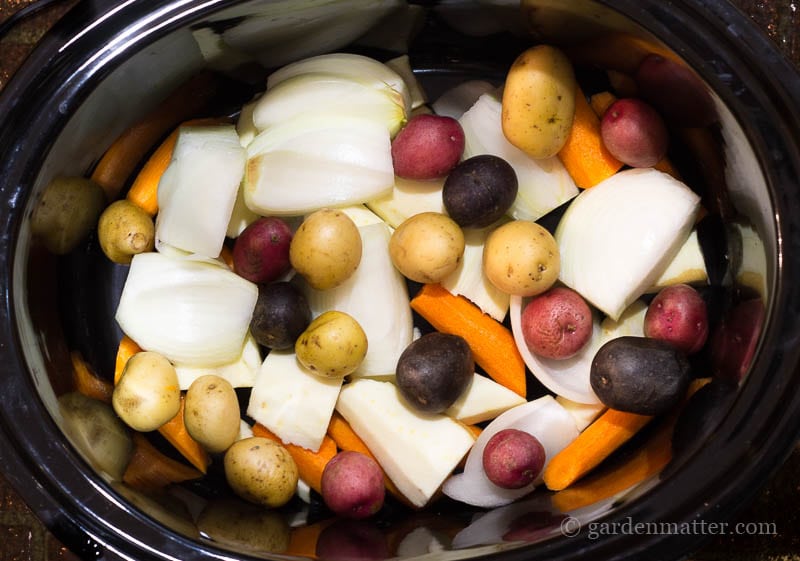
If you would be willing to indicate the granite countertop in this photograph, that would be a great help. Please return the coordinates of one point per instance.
(23, 538)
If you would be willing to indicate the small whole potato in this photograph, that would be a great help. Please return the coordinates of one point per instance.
(634, 133)
(427, 247)
(429, 146)
(521, 258)
(513, 458)
(147, 394)
(261, 471)
(557, 323)
(352, 485)
(261, 252)
(333, 345)
(125, 230)
(326, 249)
(539, 101)
(66, 212)
(212, 413)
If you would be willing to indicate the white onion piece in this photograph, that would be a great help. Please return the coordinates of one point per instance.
(322, 93)
(543, 184)
(377, 297)
(193, 311)
(616, 238)
(570, 377)
(362, 68)
(241, 373)
(470, 281)
(407, 198)
(544, 418)
(316, 161)
(197, 191)
(458, 99)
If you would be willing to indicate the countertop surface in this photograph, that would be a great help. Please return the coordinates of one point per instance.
(776, 509)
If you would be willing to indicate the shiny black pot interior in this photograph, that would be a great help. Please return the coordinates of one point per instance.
(104, 66)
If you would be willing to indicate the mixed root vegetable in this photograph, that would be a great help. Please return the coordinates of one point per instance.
(470, 299)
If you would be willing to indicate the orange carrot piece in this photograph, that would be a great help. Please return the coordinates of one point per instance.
(87, 382)
(175, 432)
(127, 348)
(584, 155)
(601, 101)
(227, 256)
(144, 191)
(475, 430)
(150, 470)
(120, 160)
(492, 345)
(605, 435)
(309, 464)
(647, 461)
(346, 439)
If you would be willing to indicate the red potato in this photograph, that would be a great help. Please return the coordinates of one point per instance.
(352, 485)
(261, 252)
(734, 342)
(557, 324)
(429, 146)
(675, 91)
(678, 315)
(352, 540)
(634, 133)
(513, 458)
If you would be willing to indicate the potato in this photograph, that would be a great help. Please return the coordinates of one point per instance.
(557, 323)
(513, 458)
(521, 258)
(261, 252)
(211, 413)
(125, 230)
(428, 147)
(479, 191)
(261, 471)
(427, 247)
(280, 316)
(434, 370)
(639, 375)
(352, 485)
(147, 394)
(242, 525)
(326, 249)
(539, 101)
(333, 345)
(634, 133)
(678, 314)
(66, 212)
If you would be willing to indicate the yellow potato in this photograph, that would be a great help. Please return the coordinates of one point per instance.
(212, 413)
(427, 247)
(326, 249)
(148, 394)
(243, 525)
(333, 345)
(539, 101)
(521, 258)
(125, 230)
(261, 471)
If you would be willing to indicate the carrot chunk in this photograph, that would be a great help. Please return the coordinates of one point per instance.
(87, 382)
(150, 470)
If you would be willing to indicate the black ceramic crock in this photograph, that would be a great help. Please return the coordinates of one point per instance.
(53, 120)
